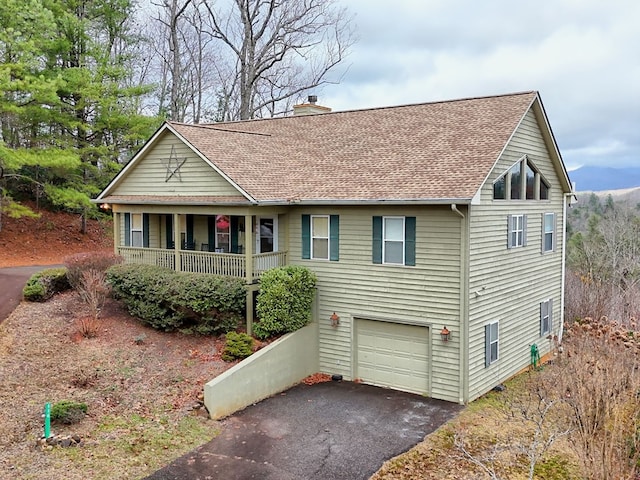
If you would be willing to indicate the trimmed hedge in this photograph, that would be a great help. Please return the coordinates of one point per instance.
(169, 300)
(45, 284)
(284, 300)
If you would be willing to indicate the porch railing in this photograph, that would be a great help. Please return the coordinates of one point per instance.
(149, 256)
(264, 261)
(228, 264)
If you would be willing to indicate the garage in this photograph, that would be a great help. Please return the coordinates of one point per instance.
(393, 355)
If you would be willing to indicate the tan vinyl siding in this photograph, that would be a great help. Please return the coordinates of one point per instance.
(426, 294)
(507, 285)
(149, 175)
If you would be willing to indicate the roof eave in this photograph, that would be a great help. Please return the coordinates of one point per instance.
(376, 201)
(190, 203)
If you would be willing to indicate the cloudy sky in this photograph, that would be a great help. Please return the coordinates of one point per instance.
(583, 56)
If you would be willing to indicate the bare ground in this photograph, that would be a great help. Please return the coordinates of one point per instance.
(47, 240)
(142, 387)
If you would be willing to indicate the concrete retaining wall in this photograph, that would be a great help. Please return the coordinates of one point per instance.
(268, 371)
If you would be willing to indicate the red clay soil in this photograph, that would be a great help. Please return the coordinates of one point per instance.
(47, 240)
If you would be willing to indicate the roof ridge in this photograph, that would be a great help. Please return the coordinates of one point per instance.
(368, 109)
(212, 126)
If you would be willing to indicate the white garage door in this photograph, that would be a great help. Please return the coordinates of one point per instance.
(393, 355)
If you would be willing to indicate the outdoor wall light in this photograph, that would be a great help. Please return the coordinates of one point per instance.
(335, 320)
(445, 334)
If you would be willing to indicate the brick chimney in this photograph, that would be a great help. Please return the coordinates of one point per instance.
(310, 108)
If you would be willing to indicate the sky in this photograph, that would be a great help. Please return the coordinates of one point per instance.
(583, 56)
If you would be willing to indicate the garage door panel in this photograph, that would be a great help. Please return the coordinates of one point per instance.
(393, 355)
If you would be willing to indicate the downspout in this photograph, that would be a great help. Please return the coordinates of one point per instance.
(464, 308)
(565, 199)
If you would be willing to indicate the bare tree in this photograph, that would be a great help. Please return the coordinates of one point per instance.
(276, 50)
(169, 45)
(535, 416)
(599, 383)
(606, 260)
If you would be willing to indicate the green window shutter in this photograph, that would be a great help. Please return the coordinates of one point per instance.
(306, 236)
(145, 230)
(127, 229)
(376, 252)
(211, 232)
(550, 309)
(235, 227)
(509, 231)
(487, 345)
(410, 241)
(169, 230)
(334, 238)
(524, 230)
(190, 243)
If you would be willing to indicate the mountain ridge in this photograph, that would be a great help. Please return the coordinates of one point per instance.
(597, 179)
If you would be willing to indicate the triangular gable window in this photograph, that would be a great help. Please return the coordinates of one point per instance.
(522, 181)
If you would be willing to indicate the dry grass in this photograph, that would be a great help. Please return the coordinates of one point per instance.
(492, 434)
(140, 386)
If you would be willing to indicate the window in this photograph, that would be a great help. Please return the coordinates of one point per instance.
(136, 230)
(516, 231)
(548, 232)
(394, 240)
(546, 315)
(515, 180)
(491, 343)
(522, 181)
(320, 237)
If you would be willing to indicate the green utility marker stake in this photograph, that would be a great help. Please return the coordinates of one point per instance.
(47, 420)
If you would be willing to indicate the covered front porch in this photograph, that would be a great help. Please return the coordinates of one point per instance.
(224, 243)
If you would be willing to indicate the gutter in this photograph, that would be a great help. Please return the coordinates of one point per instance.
(565, 198)
(379, 201)
(463, 355)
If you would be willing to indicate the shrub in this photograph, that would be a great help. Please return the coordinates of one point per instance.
(237, 345)
(168, 300)
(284, 300)
(88, 261)
(45, 284)
(93, 290)
(88, 326)
(68, 411)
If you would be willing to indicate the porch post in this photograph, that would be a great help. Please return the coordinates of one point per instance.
(176, 241)
(116, 232)
(248, 262)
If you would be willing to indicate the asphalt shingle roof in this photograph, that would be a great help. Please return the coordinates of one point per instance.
(430, 151)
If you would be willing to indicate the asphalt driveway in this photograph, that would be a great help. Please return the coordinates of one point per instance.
(12, 281)
(334, 430)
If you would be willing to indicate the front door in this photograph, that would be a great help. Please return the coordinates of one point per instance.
(267, 234)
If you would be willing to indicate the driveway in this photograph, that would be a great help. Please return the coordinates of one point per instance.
(12, 281)
(333, 430)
